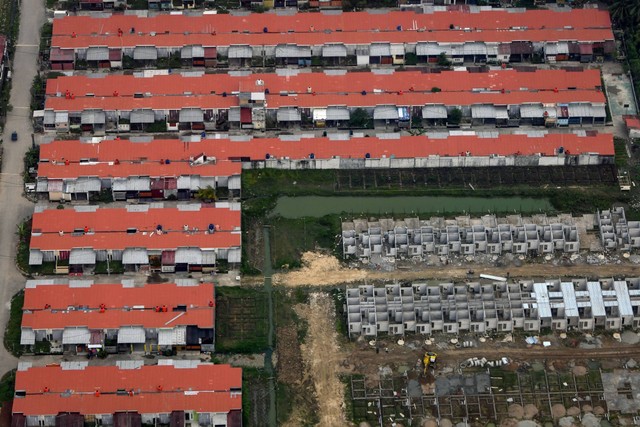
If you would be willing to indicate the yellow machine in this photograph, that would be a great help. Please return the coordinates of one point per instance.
(428, 360)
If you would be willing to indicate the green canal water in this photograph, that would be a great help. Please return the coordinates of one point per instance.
(317, 206)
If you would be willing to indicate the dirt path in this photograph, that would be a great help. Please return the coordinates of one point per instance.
(322, 358)
(326, 270)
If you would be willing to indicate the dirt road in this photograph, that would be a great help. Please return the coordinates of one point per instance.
(322, 357)
(325, 270)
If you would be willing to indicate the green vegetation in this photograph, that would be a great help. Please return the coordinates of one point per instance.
(290, 237)
(360, 119)
(38, 92)
(293, 236)
(241, 320)
(31, 158)
(455, 116)
(7, 386)
(13, 331)
(112, 267)
(207, 194)
(255, 386)
(625, 15)
(24, 236)
(42, 347)
(621, 156)
(443, 61)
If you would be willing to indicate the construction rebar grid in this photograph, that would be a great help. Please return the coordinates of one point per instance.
(388, 401)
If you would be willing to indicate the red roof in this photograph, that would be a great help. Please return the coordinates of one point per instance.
(632, 122)
(342, 22)
(324, 148)
(323, 100)
(108, 228)
(353, 82)
(319, 38)
(202, 318)
(206, 388)
(133, 167)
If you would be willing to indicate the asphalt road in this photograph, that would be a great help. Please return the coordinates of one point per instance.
(13, 207)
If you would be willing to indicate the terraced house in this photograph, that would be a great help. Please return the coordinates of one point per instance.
(468, 34)
(79, 317)
(177, 393)
(187, 237)
(201, 102)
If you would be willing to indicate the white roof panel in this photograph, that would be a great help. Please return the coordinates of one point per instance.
(131, 335)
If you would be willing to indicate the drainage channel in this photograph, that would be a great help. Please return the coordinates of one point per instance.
(268, 362)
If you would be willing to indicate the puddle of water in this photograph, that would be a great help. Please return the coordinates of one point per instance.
(318, 206)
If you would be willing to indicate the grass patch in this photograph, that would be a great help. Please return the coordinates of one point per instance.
(339, 299)
(621, 155)
(255, 392)
(114, 267)
(13, 331)
(241, 320)
(284, 402)
(290, 237)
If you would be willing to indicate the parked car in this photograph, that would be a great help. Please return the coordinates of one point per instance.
(14, 136)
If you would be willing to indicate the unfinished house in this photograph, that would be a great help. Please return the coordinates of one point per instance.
(175, 393)
(184, 238)
(481, 308)
(81, 318)
(132, 170)
(100, 104)
(417, 238)
(616, 233)
(469, 35)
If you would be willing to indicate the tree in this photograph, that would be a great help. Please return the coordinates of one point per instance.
(626, 13)
(455, 116)
(443, 61)
(207, 194)
(359, 119)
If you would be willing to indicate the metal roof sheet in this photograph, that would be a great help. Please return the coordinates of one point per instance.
(208, 257)
(131, 335)
(27, 336)
(79, 335)
(82, 256)
(135, 256)
(191, 115)
(595, 297)
(622, 295)
(334, 50)
(173, 336)
(35, 257)
(240, 51)
(98, 54)
(385, 112)
(49, 117)
(292, 51)
(142, 116)
(234, 255)
(483, 111)
(92, 117)
(188, 256)
(338, 113)
(288, 114)
(87, 184)
(145, 53)
(434, 111)
(569, 299)
(542, 300)
(531, 111)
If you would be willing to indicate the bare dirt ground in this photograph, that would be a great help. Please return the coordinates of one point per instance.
(321, 269)
(323, 357)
